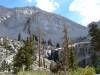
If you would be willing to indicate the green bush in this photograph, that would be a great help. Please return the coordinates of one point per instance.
(82, 71)
(97, 70)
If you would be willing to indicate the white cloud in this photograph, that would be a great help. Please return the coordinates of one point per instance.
(47, 5)
(89, 9)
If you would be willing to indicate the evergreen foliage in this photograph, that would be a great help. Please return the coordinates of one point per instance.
(94, 32)
(25, 56)
(50, 42)
(71, 65)
(57, 45)
(68, 55)
(19, 37)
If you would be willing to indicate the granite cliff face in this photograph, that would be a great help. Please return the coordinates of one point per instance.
(26, 20)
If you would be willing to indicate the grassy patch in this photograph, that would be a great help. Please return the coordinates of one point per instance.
(33, 73)
(79, 71)
(5, 73)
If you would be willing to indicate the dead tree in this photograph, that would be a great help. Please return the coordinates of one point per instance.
(40, 35)
(66, 50)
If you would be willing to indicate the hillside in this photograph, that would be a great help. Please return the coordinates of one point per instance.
(25, 20)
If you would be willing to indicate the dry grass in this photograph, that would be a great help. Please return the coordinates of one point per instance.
(2, 73)
(39, 73)
(33, 73)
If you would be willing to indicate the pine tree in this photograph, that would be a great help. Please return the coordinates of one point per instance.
(71, 59)
(43, 42)
(25, 56)
(19, 37)
(68, 55)
(57, 45)
(94, 32)
(50, 42)
(36, 38)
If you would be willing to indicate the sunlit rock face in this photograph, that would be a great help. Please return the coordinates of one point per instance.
(82, 53)
(26, 20)
(8, 48)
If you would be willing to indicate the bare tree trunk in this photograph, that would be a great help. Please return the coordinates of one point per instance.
(40, 37)
(65, 70)
(39, 45)
(44, 63)
(66, 50)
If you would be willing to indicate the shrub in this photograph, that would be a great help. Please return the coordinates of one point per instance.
(97, 70)
(88, 71)
(82, 71)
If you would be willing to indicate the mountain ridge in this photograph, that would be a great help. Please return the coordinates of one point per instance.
(28, 19)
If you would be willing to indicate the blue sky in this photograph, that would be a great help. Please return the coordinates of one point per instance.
(80, 11)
